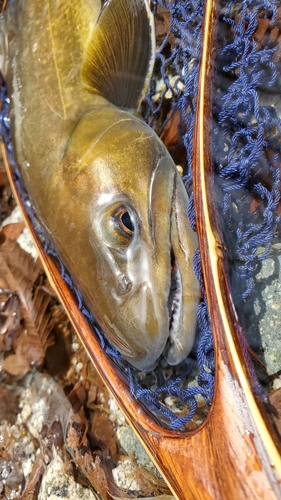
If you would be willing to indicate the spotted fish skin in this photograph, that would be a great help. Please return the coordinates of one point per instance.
(102, 183)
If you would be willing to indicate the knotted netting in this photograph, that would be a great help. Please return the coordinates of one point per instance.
(248, 157)
(246, 144)
(247, 150)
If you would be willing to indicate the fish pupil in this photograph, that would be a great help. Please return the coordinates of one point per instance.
(127, 222)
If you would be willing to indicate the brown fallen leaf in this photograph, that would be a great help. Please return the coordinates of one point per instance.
(23, 280)
(94, 464)
(9, 401)
(11, 232)
(101, 432)
(148, 482)
(78, 395)
(17, 364)
(32, 485)
(18, 272)
(9, 318)
(162, 21)
(171, 137)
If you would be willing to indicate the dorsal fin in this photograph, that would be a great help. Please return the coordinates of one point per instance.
(120, 55)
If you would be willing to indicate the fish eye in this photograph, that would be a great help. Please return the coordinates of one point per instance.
(124, 222)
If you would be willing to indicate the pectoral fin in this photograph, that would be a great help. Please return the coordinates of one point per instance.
(120, 55)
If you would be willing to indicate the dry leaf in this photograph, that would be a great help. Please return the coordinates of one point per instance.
(32, 485)
(9, 319)
(101, 433)
(18, 272)
(78, 396)
(23, 279)
(11, 232)
(162, 21)
(9, 399)
(92, 465)
(171, 137)
(16, 364)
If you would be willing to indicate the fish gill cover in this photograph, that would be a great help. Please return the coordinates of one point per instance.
(251, 134)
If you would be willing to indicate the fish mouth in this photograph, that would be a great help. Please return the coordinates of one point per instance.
(175, 302)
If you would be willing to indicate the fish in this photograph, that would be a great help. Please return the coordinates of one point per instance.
(101, 182)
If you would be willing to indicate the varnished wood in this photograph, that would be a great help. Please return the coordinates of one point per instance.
(232, 454)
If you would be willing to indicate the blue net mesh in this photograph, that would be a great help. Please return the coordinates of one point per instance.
(247, 131)
(246, 144)
(177, 64)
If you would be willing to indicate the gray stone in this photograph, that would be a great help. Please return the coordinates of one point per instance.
(260, 315)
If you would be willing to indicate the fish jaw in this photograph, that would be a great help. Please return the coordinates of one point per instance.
(143, 318)
(186, 293)
(169, 197)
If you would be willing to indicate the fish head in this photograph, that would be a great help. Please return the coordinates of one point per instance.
(130, 242)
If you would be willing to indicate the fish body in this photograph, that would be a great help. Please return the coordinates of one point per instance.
(102, 183)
